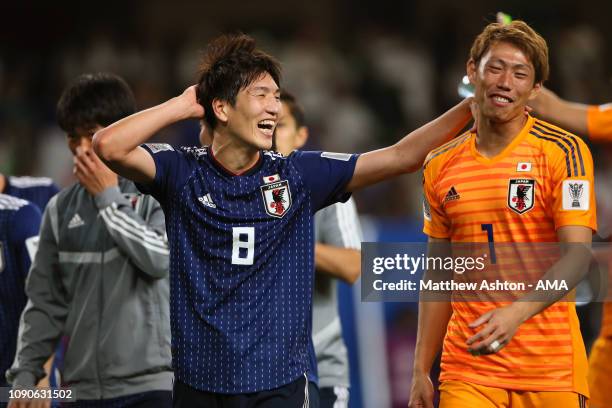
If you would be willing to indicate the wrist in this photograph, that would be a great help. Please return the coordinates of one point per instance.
(105, 198)
(523, 310)
(421, 368)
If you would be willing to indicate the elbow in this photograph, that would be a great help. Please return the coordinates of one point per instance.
(353, 273)
(103, 146)
(161, 269)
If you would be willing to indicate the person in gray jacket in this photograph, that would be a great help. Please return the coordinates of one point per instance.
(337, 256)
(100, 275)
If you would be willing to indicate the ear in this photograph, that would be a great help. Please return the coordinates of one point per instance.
(220, 109)
(471, 68)
(535, 91)
(302, 137)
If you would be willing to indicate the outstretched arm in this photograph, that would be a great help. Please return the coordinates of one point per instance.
(407, 155)
(118, 145)
(566, 114)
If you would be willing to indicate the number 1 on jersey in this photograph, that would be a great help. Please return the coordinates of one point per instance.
(489, 229)
(248, 245)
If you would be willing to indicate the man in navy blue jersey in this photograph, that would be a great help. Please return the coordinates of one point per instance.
(240, 225)
(37, 190)
(19, 224)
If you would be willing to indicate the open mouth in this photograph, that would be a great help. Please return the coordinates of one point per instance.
(501, 100)
(266, 127)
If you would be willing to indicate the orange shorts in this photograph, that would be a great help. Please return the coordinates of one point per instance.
(600, 373)
(461, 394)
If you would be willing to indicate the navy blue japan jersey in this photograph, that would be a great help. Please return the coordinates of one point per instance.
(19, 225)
(37, 190)
(242, 262)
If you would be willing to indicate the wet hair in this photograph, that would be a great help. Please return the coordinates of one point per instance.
(91, 100)
(231, 63)
(522, 36)
(295, 109)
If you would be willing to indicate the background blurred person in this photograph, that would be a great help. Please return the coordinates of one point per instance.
(19, 224)
(37, 190)
(337, 256)
(595, 123)
(100, 273)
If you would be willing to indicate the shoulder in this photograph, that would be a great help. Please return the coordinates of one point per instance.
(449, 149)
(27, 181)
(562, 146)
(23, 216)
(10, 203)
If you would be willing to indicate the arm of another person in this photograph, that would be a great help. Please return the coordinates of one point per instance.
(407, 155)
(118, 145)
(142, 240)
(566, 114)
(338, 251)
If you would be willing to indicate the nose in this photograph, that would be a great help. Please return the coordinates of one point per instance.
(504, 80)
(83, 142)
(273, 106)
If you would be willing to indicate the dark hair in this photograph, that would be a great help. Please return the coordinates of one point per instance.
(294, 108)
(94, 99)
(231, 63)
(522, 36)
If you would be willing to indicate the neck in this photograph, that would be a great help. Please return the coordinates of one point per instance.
(494, 137)
(2, 182)
(233, 154)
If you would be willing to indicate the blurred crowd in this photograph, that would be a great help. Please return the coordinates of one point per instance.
(364, 77)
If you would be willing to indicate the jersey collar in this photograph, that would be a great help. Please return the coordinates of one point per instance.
(247, 172)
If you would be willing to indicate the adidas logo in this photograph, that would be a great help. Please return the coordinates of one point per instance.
(76, 221)
(451, 195)
(207, 201)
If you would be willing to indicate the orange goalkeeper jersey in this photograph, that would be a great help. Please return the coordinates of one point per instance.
(599, 123)
(541, 181)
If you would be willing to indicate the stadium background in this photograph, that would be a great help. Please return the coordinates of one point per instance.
(366, 73)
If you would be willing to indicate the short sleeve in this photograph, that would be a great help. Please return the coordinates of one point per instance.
(572, 183)
(599, 123)
(435, 221)
(326, 175)
(24, 230)
(172, 169)
(25, 223)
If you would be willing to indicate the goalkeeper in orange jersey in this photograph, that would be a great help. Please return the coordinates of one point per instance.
(595, 122)
(511, 181)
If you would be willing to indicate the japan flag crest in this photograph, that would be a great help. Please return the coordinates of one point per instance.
(277, 198)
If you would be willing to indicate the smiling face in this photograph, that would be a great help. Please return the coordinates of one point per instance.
(254, 116)
(504, 81)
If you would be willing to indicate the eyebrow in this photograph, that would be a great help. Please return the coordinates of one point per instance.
(265, 89)
(515, 66)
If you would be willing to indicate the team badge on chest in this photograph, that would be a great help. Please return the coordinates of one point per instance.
(521, 195)
(277, 198)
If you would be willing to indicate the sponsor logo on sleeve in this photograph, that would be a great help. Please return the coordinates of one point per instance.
(426, 209)
(337, 156)
(576, 195)
(158, 147)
